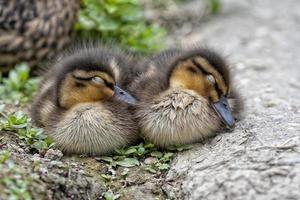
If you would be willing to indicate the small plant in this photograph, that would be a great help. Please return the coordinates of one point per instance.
(18, 86)
(180, 148)
(215, 6)
(21, 124)
(109, 195)
(4, 156)
(121, 21)
(11, 180)
(135, 155)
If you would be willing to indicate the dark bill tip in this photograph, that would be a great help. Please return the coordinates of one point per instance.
(223, 110)
(124, 96)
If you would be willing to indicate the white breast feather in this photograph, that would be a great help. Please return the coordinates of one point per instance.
(89, 129)
(178, 118)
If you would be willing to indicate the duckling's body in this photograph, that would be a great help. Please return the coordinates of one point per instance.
(78, 102)
(92, 128)
(175, 97)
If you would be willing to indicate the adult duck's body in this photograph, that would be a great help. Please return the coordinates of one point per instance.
(32, 30)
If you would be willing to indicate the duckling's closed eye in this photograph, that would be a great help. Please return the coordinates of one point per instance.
(211, 79)
(97, 80)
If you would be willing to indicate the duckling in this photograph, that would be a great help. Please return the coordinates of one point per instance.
(31, 31)
(80, 103)
(183, 97)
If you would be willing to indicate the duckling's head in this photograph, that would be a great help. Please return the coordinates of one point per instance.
(89, 78)
(205, 73)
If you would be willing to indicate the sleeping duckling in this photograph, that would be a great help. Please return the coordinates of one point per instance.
(81, 106)
(183, 97)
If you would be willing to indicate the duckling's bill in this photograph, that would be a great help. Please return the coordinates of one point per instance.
(124, 96)
(223, 110)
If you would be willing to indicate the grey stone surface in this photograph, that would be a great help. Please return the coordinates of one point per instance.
(260, 159)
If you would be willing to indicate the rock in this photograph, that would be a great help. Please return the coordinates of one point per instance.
(54, 154)
(272, 103)
(258, 160)
(150, 160)
(149, 190)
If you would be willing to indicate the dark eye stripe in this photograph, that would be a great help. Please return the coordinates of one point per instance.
(82, 78)
(110, 85)
(199, 67)
(191, 69)
(80, 85)
(216, 86)
(218, 90)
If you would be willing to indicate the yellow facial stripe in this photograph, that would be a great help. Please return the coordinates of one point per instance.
(70, 95)
(214, 96)
(210, 69)
(116, 69)
(182, 78)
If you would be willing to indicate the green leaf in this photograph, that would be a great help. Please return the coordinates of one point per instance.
(23, 72)
(167, 157)
(141, 151)
(128, 162)
(121, 21)
(130, 151)
(108, 25)
(109, 195)
(4, 156)
(149, 146)
(120, 151)
(50, 142)
(107, 159)
(156, 154)
(163, 166)
(19, 126)
(18, 86)
(125, 172)
(180, 147)
(215, 6)
(106, 177)
(40, 145)
(33, 137)
(110, 8)
(151, 170)
(2, 106)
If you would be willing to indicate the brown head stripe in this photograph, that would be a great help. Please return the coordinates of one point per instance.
(207, 67)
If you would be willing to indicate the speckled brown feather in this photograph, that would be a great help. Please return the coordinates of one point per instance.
(176, 117)
(93, 128)
(32, 30)
(169, 116)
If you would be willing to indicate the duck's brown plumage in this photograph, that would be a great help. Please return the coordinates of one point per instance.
(31, 30)
(179, 115)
